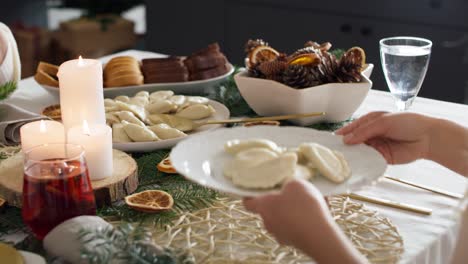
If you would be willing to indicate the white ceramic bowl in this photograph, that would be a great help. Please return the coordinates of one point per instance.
(338, 100)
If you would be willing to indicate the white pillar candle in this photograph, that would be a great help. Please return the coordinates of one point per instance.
(81, 92)
(41, 132)
(96, 140)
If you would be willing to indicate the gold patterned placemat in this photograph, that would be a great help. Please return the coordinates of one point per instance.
(372, 234)
(227, 233)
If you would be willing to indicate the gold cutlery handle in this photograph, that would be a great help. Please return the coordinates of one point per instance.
(427, 188)
(393, 204)
(266, 118)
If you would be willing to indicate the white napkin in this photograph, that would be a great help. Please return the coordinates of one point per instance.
(10, 65)
(11, 120)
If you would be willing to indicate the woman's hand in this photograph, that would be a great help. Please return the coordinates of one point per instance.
(289, 213)
(400, 137)
(299, 216)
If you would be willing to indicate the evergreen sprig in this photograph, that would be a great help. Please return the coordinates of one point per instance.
(228, 94)
(6, 89)
(127, 244)
(330, 126)
(338, 53)
(188, 196)
(11, 221)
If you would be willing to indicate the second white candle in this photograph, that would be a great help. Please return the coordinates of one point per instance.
(96, 140)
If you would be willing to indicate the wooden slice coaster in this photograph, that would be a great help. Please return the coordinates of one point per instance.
(123, 182)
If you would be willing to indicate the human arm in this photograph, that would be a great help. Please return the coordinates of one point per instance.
(299, 216)
(405, 137)
(449, 146)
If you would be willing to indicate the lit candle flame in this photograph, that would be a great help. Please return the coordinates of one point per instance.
(42, 127)
(86, 129)
(80, 61)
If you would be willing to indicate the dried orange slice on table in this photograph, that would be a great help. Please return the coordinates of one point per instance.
(166, 166)
(262, 54)
(151, 201)
(53, 111)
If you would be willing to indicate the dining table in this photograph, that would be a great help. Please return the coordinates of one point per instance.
(426, 238)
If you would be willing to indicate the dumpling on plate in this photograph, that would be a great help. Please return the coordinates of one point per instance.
(179, 123)
(164, 131)
(139, 111)
(118, 133)
(139, 133)
(235, 146)
(247, 159)
(139, 101)
(161, 95)
(260, 171)
(112, 118)
(161, 107)
(196, 112)
(303, 172)
(122, 98)
(301, 159)
(142, 94)
(110, 105)
(129, 117)
(178, 100)
(193, 100)
(331, 164)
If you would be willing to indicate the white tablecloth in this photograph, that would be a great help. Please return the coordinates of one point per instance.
(427, 239)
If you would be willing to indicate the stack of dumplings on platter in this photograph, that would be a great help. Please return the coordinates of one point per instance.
(152, 117)
(262, 164)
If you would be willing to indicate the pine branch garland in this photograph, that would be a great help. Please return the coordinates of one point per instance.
(11, 221)
(6, 89)
(188, 196)
(126, 244)
(338, 53)
(229, 95)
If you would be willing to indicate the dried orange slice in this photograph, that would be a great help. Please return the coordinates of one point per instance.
(151, 201)
(262, 54)
(309, 59)
(166, 166)
(357, 55)
(53, 111)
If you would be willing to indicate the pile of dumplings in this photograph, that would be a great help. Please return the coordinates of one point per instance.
(152, 117)
(262, 164)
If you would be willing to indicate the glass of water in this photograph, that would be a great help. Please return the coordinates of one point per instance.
(404, 63)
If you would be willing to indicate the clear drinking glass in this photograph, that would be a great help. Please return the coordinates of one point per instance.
(56, 187)
(404, 63)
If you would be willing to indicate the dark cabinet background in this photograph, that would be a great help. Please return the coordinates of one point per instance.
(180, 27)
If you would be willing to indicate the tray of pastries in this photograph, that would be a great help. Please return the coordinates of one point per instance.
(130, 72)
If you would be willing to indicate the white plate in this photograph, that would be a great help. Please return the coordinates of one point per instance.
(201, 158)
(221, 113)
